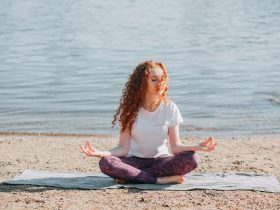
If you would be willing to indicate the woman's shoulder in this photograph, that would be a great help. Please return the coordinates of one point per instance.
(169, 104)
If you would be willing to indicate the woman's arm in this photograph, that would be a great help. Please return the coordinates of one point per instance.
(123, 148)
(176, 145)
(119, 151)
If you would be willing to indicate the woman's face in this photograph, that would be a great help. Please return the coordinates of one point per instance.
(153, 79)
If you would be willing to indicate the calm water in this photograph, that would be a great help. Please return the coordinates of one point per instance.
(63, 64)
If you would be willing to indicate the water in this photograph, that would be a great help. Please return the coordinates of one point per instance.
(63, 64)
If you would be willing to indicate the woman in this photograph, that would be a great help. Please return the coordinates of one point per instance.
(148, 119)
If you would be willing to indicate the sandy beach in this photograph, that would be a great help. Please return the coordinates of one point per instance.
(61, 153)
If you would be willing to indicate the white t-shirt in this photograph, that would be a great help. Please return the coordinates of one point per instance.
(149, 133)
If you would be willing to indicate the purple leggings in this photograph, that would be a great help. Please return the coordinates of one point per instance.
(147, 170)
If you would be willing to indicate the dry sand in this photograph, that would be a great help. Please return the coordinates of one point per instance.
(61, 153)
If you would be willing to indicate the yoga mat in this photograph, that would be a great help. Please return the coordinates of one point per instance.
(223, 181)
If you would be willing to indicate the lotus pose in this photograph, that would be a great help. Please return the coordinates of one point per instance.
(148, 120)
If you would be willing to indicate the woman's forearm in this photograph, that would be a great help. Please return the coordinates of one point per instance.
(183, 148)
(117, 151)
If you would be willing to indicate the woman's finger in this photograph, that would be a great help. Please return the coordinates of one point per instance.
(87, 145)
(91, 148)
(90, 153)
(211, 141)
(84, 150)
(209, 150)
(207, 142)
(212, 147)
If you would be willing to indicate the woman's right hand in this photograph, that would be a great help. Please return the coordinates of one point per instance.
(89, 150)
(208, 145)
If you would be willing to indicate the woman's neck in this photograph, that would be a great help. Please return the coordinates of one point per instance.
(150, 103)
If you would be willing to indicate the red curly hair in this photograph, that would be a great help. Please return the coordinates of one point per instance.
(134, 92)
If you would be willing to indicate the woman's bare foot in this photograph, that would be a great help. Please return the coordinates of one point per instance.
(170, 179)
(121, 181)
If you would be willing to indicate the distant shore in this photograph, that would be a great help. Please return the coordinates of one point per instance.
(60, 152)
(51, 134)
(60, 134)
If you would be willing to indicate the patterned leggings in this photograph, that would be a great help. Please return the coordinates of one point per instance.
(147, 170)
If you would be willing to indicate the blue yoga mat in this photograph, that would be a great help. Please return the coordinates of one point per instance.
(223, 181)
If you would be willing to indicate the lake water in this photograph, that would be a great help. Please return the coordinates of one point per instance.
(63, 64)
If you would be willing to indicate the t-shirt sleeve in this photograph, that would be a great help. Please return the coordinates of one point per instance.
(175, 116)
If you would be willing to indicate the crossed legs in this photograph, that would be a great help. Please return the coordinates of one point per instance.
(150, 170)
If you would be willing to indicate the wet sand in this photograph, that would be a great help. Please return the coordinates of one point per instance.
(20, 151)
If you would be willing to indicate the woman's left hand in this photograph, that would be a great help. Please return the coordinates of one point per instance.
(208, 145)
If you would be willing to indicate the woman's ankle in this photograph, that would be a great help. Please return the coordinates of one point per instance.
(121, 181)
(171, 180)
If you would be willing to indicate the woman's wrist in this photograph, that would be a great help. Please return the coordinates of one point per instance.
(197, 148)
(105, 153)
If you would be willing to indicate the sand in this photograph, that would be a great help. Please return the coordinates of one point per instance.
(61, 153)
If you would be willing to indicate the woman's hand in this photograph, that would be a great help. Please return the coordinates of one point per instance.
(208, 145)
(89, 150)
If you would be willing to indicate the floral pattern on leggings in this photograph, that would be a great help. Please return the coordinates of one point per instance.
(147, 170)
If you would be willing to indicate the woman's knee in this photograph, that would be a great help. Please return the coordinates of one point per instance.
(193, 157)
(195, 160)
(105, 163)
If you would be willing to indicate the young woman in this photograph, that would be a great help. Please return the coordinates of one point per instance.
(148, 119)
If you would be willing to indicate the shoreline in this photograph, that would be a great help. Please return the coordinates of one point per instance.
(60, 152)
(61, 134)
(52, 134)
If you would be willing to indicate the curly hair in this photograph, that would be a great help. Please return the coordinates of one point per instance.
(134, 92)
